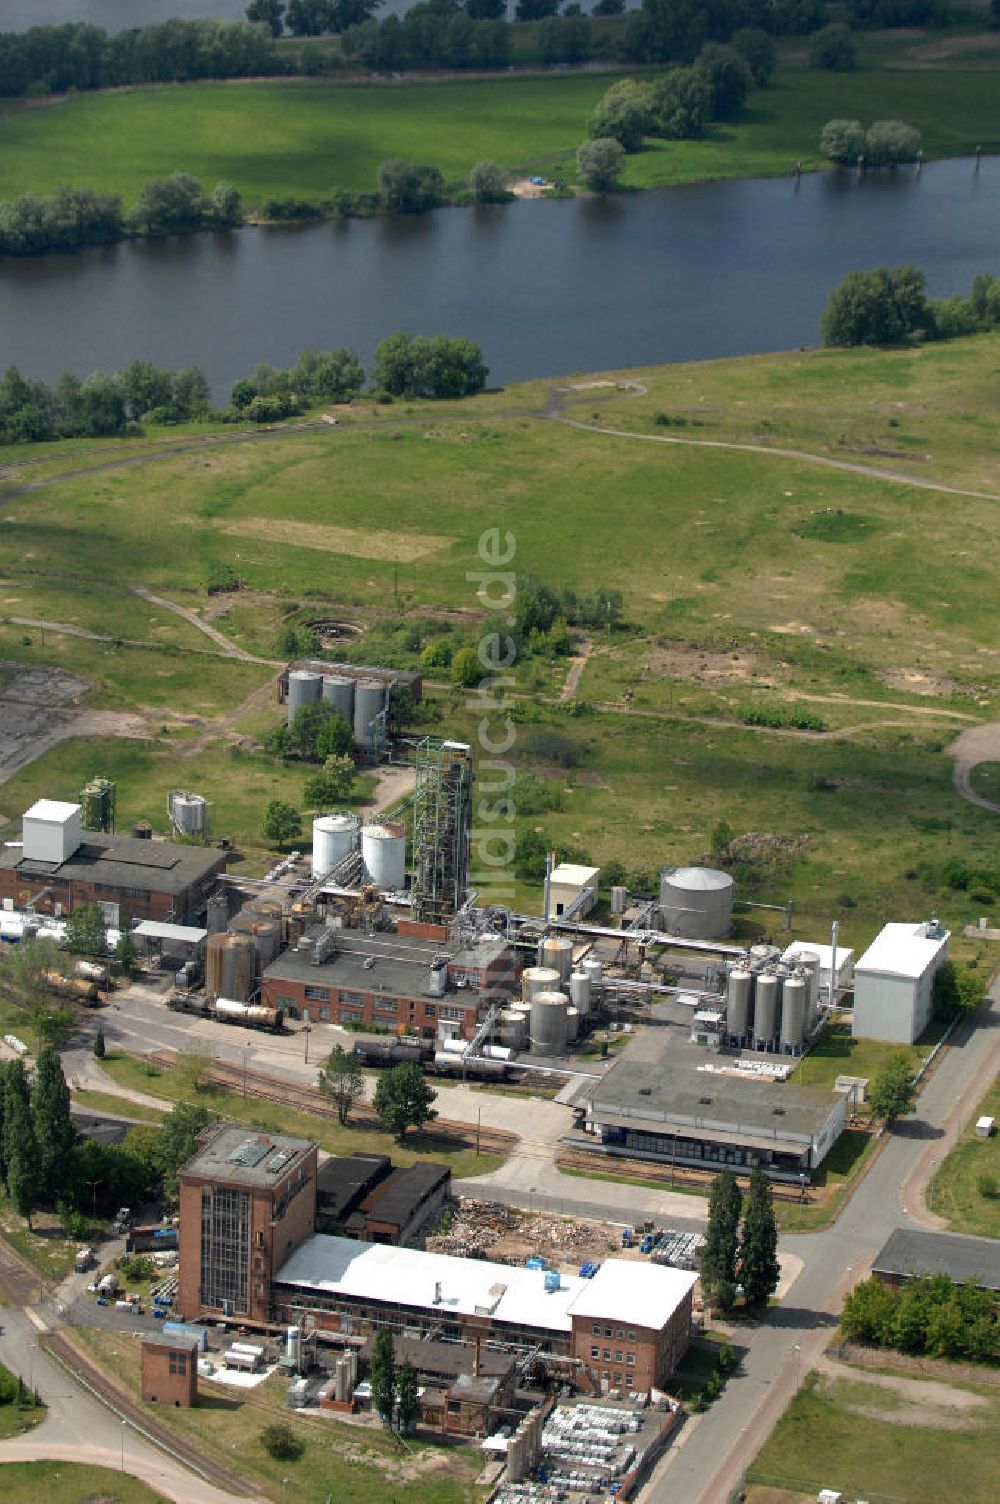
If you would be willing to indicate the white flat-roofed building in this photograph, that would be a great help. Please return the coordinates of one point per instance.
(629, 1324)
(572, 889)
(51, 830)
(894, 982)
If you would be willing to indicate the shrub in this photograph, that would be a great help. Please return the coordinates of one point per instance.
(986, 1185)
(891, 141)
(833, 47)
(281, 1442)
(599, 163)
(842, 141)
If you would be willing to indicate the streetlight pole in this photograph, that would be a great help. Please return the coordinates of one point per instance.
(124, 1424)
(243, 1051)
(308, 1031)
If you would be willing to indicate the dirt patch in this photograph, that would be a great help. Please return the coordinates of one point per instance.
(915, 681)
(507, 1235)
(925, 1417)
(359, 543)
(525, 188)
(979, 51)
(683, 660)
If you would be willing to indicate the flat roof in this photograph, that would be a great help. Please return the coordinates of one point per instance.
(901, 950)
(236, 1155)
(574, 874)
(402, 966)
(396, 1198)
(471, 1287)
(845, 955)
(56, 810)
(908, 1252)
(343, 1180)
(152, 929)
(636, 1092)
(170, 1340)
(124, 862)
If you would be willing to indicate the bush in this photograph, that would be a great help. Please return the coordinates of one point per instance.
(599, 163)
(622, 115)
(986, 1185)
(281, 1442)
(833, 47)
(891, 141)
(842, 141)
(488, 182)
(879, 307)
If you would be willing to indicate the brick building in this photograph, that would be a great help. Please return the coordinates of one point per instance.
(170, 1370)
(392, 980)
(247, 1201)
(60, 867)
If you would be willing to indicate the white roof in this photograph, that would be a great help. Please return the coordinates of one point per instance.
(825, 952)
(152, 929)
(901, 950)
(469, 1287)
(575, 875)
(55, 810)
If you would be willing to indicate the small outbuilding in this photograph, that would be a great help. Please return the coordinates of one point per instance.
(170, 1369)
(572, 890)
(984, 1127)
(894, 982)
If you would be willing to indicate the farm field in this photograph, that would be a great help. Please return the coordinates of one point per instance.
(309, 138)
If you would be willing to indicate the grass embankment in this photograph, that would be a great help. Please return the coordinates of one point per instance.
(876, 1443)
(227, 1423)
(955, 1192)
(306, 140)
(17, 1415)
(178, 1086)
(72, 1483)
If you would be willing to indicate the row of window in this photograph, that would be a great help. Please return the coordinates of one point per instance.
(596, 1352)
(605, 1331)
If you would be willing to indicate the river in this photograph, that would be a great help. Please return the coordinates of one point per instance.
(545, 287)
(119, 15)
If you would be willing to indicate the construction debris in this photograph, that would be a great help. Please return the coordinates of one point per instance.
(507, 1235)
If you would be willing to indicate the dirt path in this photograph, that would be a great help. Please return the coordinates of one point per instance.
(97, 723)
(257, 698)
(229, 648)
(915, 1391)
(978, 744)
(577, 665)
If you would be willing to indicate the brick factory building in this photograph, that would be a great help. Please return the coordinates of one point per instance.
(170, 1370)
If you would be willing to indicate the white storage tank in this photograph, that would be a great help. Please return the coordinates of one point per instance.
(738, 1012)
(548, 1023)
(369, 699)
(188, 813)
(334, 837)
(767, 1007)
(535, 979)
(513, 1029)
(383, 851)
(572, 1024)
(338, 693)
(579, 992)
(304, 688)
(794, 998)
(557, 952)
(696, 902)
(594, 969)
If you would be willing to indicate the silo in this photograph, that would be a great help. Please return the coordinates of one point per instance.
(808, 961)
(557, 952)
(696, 902)
(548, 1025)
(369, 698)
(338, 693)
(218, 912)
(266, 935)
(793, 1014)
(767, 1007)
(304, 688)
(334, 837)
(619, 899)
(594, 969)
(572, 1024)
(579, 992)
(513, 1029)
(215, 950)
(535, 979)
(188, 813)
(383, 851)
(239, 966)
(738, 988)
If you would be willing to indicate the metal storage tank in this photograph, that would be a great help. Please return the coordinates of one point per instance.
(369, 698)
(437, 979)
(572, 1024)
(738, 1010)
(594, 969)
(536, 979)
(794, 996)
(304, 688)
(215, 949)
(338, 693)
(696, 902)
(548, 1025)
(513, 1029)
(383, 851)
(266, 935)
(767, 1007)
(334, 837)
(808, 962)
(218, 913)
(619, 899)
(188, 813)
(579, 991)
(239, 967)
(557, 952)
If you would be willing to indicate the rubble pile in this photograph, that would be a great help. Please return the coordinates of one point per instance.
(507, 1235)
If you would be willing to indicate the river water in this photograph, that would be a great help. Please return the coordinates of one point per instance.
(545, 287)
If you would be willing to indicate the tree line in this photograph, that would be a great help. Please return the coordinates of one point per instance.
(890, 306)
(73, 217)
(929, 1316)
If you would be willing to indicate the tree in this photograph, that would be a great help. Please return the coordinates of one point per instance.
(413, 366)
(267, 12)
(466, 669)
(100, 1048)
(225, 205)
(25, 980)
(409, 187)
(20, 1147)
(893, 1093)
(409, 1403)
(328, 375)
(833, 47)
(282, 822)
(382, 1374)
(342, 1081)
(403, 1099)
(278, 1439)
(488, 182)
(335, 740)
(622, 114)
(126, 954)
(757, 50)
(869, 1311)
(760, 1272)
(530, 851)
(721, 1246)
(726, 77)
(889, 142)
(842, 141)
(599, 164)
(86, 932)
(53, 1125)
(535, 10)
(330, 786)
(169, 204)
(178, 1138)
(680, 104)
(878, 307)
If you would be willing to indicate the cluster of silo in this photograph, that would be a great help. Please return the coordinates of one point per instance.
(263, 921)
(696, 902)
(556, 952)
(230, 966)
(770, 1006)
(334, 837)
(305, 687)
(383, 851)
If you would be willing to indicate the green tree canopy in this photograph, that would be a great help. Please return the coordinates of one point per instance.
(342, 1081)
(383, 1374)
(331, 785)
(622, 114)
(25, 972)
(720, 1249)
(893, 1093)
(599, 163)
(842, 141)
(406, 1389)
(404, 1098)
(833, 47)
(409, 187)
(758, 1254)
(53, 1125)
(282, 823)
(86, 931)
(878, 307)
(20, 1145)
(488, 182)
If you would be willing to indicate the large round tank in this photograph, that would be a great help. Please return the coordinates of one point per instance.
(808, 961)
(696, 902)
(767, 1007)
(572, 1024)
(548, 1024)
(513, 1029)
(535, 979)
(239, 967)
(334, 837)
(369, 698)
(383, 851)
(579, 991)
(557, 952)
(338, 693)
(266, 935)
(218, 912)
(594, 969)
(188, 813)
(794, 996)
(215, 949)
(738, 987)
(304, 688)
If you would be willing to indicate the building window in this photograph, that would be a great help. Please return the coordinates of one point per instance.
(630, 1359)
(595, 1352)
(618, 1357)
(430, 1011)
(631, 1336)
(178, 1363)
(596, 1330)
(607, 1331)
(619, 1333)
(225, 1240)
(317, 994)
(618, 1378)
(607, 1353)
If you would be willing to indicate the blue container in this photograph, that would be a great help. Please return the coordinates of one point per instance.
(535, 1262)
(181, 1329)
(551, 1280)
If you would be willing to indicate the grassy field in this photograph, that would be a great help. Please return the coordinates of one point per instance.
(309, 138)
(874, 1443)
(228, 1423)
(72, 1483)
(954, 1192)
(837, 1054)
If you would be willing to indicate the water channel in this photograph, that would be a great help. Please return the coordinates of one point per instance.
(546, 287)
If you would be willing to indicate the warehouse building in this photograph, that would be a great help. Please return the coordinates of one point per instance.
(59, 867)
(365, 1196)
(392, 980)
(706, 1120)
(894, 982)
(628, 1326)
(909, 1254)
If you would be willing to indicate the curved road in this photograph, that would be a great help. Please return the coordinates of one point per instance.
(978, 744)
